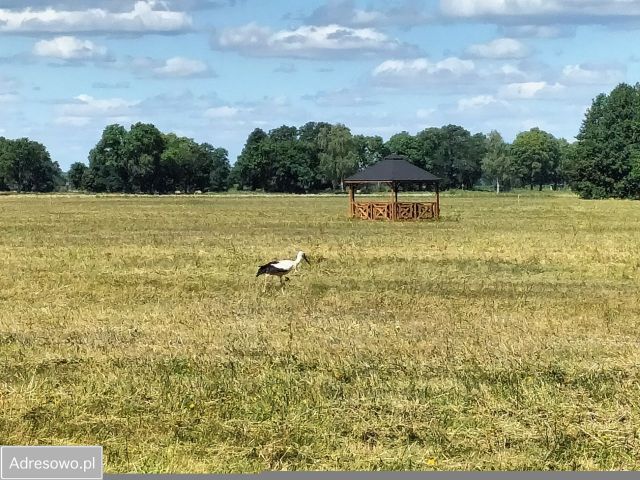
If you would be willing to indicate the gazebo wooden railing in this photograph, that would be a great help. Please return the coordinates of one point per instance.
(394, 170)
(394, 210)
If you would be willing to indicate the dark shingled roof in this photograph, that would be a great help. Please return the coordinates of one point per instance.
(393, 168)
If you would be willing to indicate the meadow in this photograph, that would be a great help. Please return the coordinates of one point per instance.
(504, 336)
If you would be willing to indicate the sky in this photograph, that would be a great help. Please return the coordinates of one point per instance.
(214, 70)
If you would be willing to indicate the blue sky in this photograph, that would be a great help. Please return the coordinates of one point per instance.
(214, 70)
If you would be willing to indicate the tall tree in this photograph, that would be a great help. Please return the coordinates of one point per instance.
(76, 175)
(184, 164)
(566, 166)
(338, 158)
(537, 156)
(430, 142)
(288, 165)
(251, 168)
(458, 157)
(607, 152)
(26, 166)
(142, 149)
(219, 168)
(497, 164)
(108, 172)
(308, 135)
(7, 159)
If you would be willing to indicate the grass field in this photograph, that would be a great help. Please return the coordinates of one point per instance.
(505, 336)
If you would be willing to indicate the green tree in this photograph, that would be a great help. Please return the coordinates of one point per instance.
(404, 143)
(606, 155)
(567, 163)
(369, 149)
(76, 175)
(7, 159)
(338, 158)
(142, 149)
(430, 142)
(456, 155)
(288, 165)
(184, 165)
(537, 155)
(308, 136)
(108, 170)
(251, 167)
(144, 159)
(467, 162)
(26, 166)
(498, 166)
(218, 160)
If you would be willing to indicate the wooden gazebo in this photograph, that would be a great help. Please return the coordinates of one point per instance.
(394, 170)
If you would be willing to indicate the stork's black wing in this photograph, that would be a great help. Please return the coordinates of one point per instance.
(270, 269)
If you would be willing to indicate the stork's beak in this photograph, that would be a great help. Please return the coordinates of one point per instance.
(306, 259)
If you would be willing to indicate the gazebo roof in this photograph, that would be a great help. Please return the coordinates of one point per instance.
(393, 168)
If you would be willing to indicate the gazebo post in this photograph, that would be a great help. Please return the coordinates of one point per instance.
(351, 200)
(394, 201)
(437, 200)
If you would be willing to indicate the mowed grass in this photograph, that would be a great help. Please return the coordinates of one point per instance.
(505, 336)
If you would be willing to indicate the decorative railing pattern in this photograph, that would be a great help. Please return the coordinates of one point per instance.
(402, 210)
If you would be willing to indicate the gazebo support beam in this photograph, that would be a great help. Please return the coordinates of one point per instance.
(352, 201)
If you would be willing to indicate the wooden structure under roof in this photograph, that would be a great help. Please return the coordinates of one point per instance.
(394, 170)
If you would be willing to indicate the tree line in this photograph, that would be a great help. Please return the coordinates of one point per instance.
(25, 166)
(603, 162)
(145, 160)
(320, 156)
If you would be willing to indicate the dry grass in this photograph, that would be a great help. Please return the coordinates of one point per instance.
(503, 337)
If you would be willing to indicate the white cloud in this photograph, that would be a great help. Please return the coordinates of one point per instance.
(593, 75)
(174, 67)
(240, 117)
(345, 97)
(367, 17)
(449, 73)
(500, 48)
(307, 41)
(145, 16)
(224, 111)
(541, 12)
(85, 108)
(506, 73)
(68, 48)
(538, 31)
(424, 113)
(181, 67)
(406, 14)
(528, 90)
(8, 97)
(478, 101)
(72, 121)
(475, 8)
(419, 66)
(509, 69)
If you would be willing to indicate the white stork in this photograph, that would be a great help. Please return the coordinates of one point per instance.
(280, 268)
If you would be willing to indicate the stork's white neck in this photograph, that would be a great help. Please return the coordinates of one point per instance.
(298, 258)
